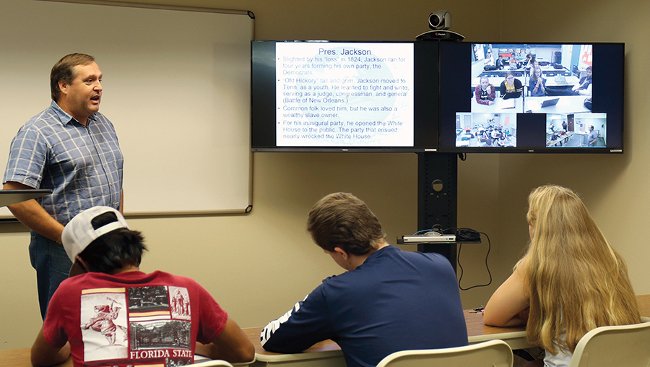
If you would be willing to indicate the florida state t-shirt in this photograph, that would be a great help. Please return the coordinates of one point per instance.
(132, 319)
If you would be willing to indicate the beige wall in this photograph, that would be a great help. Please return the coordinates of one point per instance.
(614, 187)
(258, 265)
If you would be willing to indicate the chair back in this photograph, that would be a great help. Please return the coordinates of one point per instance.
(623, 345)
(493, 353)
(212, 363)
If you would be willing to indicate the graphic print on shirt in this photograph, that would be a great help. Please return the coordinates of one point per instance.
(148, 325)
(103, 324)
(180, 303)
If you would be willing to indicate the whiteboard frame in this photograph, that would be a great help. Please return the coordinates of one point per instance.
(245, 207)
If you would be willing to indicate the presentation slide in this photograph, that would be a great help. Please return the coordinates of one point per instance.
(344, 94)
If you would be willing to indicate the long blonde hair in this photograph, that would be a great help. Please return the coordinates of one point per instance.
(576, 280)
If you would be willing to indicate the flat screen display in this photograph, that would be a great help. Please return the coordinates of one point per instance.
(343, 96)
(531, 97)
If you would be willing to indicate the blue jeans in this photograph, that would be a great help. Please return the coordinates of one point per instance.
(52, 267)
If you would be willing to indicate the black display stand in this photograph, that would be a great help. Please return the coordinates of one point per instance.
(8, 197)
(437, 199)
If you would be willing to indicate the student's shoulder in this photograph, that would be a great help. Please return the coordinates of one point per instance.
(422, 256)
(522, 267)
(335, 280)
(74, 285)
(174, 279)
(421, 260)
(70, 284)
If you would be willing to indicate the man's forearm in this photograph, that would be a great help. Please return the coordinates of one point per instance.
(43, 354)
(32, 214)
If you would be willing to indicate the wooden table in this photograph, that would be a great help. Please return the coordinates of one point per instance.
(328, 354)
(322, 354)
(20, 358)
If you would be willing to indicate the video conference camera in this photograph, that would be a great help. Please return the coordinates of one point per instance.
(440, 19)
(440, 22)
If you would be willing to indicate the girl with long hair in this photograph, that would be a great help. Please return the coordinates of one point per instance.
(569, 282)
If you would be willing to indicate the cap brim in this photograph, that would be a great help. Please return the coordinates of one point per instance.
(76, 269)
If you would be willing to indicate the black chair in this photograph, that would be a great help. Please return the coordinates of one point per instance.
(564, 90)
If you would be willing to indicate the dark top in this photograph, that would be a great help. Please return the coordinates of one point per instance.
(541, 91)
(396, 300)
(584, 82)
(516, 94)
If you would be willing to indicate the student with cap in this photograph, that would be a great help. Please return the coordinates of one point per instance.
(110, 313)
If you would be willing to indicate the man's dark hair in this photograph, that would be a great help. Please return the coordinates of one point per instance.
(63, 71)
(343, 220)
(114, 250)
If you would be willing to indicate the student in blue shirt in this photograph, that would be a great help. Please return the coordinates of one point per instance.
(387, 300)
(536, 83)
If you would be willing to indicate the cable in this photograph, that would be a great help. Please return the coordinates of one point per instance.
(435, 228)
(487, 266)
(462, 235)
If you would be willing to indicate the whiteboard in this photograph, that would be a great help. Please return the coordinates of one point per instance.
(176, 86)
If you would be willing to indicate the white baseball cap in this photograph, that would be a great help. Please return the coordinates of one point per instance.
(79, 232)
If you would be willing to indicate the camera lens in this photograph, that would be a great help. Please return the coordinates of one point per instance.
(434, 20)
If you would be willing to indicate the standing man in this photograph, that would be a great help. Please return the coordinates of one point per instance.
(387, 300)
(593, 136)
(71, 149)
